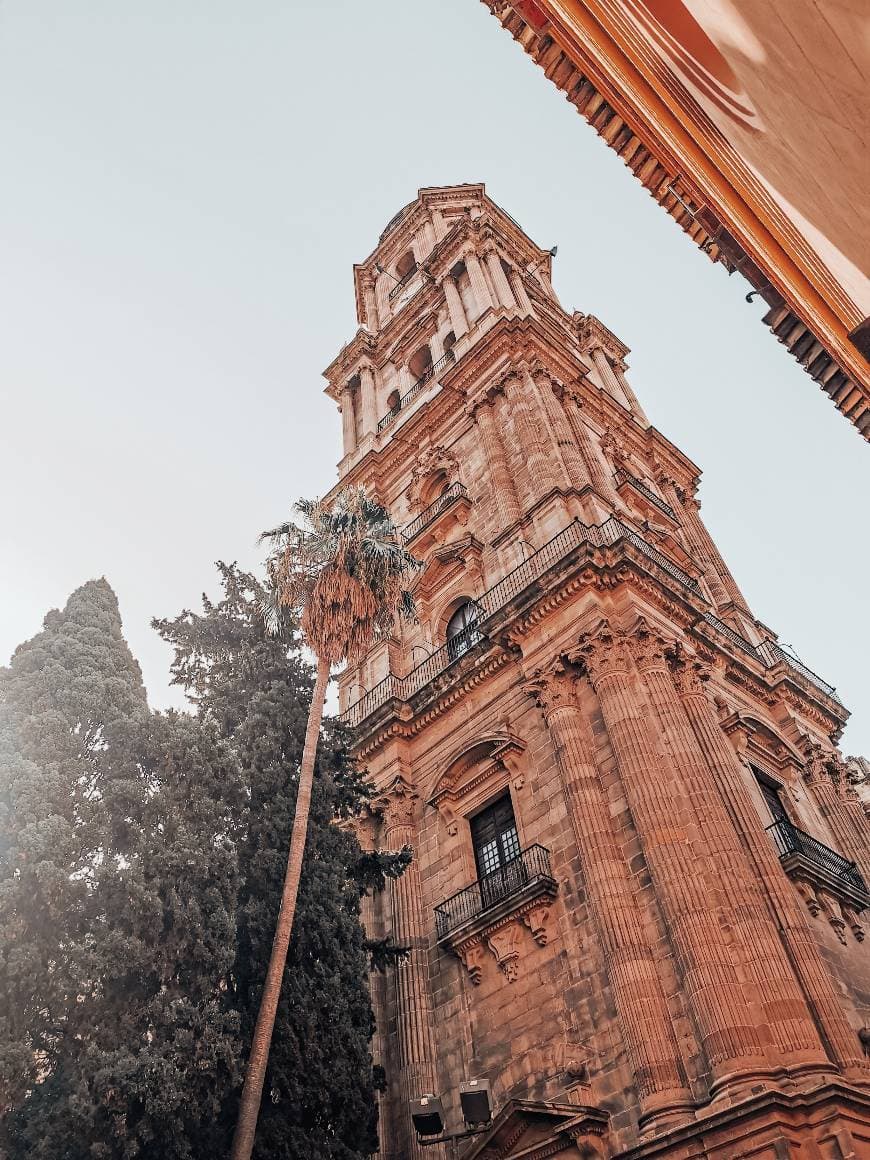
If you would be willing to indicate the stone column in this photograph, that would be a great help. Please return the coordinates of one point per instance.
(629, 959)
(711, 984)
(785, 1023)
(820, 772)
(707, 552)
(348, 421)
(382, 291)
(499, 280)
(563, 433)
(370, 303)
(520, 293)
(504, 496)
(600, 479)
(368, 400)
(479, 288)
(413, 1002)
(531, 434)
(455, 308)
(619, 370)
(838, 1037)
(608, 376)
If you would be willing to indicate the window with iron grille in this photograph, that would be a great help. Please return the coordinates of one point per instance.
(494, 837)
(462, 630)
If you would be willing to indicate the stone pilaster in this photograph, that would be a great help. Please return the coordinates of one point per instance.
(787, 1027)
(370, 304)
(504, 496)
(479, 288)
(563, 433)
(601, 480)
(368, 400)
(499, 280)
(838, 1037)
(531, 435)
(629, 959)
(348, 421)
(608, 376)
(413, 1000)
(703, 548)
(520, 293)
(827, 785)
(455, 308)
(712, 985)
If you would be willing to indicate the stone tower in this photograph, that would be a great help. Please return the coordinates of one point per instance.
(640, 860)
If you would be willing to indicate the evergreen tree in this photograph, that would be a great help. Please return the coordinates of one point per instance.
(320, 1087)
(141, 862)
(118, 904)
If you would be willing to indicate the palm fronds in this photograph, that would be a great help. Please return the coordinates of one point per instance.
(342, 571)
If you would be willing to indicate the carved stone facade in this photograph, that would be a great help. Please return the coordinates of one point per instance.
(661, 952)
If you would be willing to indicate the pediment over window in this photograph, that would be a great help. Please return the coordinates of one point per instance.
(534, 1130)
(473, 773)
(459, 558)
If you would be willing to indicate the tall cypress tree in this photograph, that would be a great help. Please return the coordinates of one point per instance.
(118, 887)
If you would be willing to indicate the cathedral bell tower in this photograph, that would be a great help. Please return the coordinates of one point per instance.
(637, 899)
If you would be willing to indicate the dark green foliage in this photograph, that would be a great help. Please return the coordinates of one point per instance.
(141, 861)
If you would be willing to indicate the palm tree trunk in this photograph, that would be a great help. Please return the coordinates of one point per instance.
(252, 1092)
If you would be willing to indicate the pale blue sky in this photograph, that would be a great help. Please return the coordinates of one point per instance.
(185, 186)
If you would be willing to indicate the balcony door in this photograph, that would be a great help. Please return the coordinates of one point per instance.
(770, 793)
(496, 843)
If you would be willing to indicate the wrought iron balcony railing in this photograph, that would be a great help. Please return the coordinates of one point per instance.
(788, 839)
(402, 283)
(526, 574)
(450, 494)
(426, 377)
(769, 653)
(530, 866)
(640, 486)
(499, 596)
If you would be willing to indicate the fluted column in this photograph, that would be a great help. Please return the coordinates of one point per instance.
(563, 433)
(368, 400)
(608, 376)
(837, 1035)
(479, 288)
(624, 385)
(455, 308)
(413, 1002)
(787, 1026)
(370, 303)
(348, 421)
(382, 292)
(531, 435)
(854, 843)
(711, 983)
(707, 553)
(600, 479)
(499, 280)
(629, 959)
(504, 496)
(520, 293)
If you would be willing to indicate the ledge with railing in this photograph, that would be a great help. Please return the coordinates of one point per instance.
(769, 653)
(402, 283)
(426, 377)
(795, 845)
(556, 550)
(649, 494)
(446, 499)
(527, 874)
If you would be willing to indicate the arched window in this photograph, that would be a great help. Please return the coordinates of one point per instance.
(449, 341)
(462, 631)
(435, 487)
(406, 265)
(394, 401)
(420, 362)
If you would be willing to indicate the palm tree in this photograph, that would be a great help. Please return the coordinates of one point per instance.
(343, 573)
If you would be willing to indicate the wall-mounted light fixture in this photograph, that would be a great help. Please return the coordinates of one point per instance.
(427, 1113)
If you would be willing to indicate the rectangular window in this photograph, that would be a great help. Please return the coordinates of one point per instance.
(496, 851)
(770, 791)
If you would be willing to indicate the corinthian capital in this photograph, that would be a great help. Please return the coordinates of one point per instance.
(552, 688)
(601, 652)
(690, 675)
(647, 646)
(398, 805)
